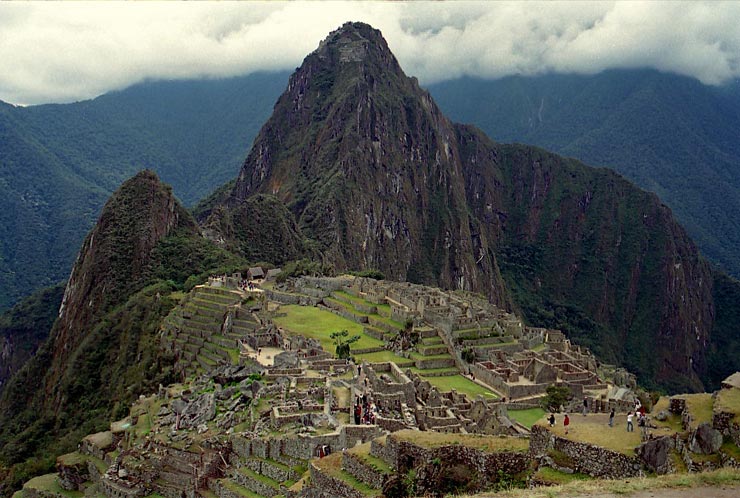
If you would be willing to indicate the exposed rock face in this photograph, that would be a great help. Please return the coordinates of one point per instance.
(655, 454)
(706, 440)
(376, 177)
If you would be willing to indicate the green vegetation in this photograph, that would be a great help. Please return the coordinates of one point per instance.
(490, 444)
(728, 400)
(381, 356)
(460, 384)
(553, 477)
(319, 324)
(699, 407)
(527, 417)
(24, 327)
(342, 341)
(556, 397)
(49, 483)
(594, 429)
(61, 162)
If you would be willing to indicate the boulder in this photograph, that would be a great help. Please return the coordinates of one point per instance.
(655, 454)
(662, 416)
(286, 359)
(706, 440)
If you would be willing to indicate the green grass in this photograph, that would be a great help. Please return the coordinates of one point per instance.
(238, 489)
(594, 429)
(552, 476)
(700, 407)
(731, 449)
(728, 400)
(489, 444)
(319, 324)
(332, 465)
(49, 483)
(381, 356)
(461, 385)
(353, 299)
(430, 371)
(672, 423)
(527, 417)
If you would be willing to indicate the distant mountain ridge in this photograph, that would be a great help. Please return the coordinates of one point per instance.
(669, 134)
(60, 163)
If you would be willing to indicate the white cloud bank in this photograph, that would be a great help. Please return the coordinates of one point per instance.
(60, 52)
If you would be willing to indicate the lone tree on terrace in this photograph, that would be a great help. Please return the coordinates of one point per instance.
(342, 342)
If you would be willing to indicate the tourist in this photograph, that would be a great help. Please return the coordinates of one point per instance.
(611, 418)
(566, 423)
(552, 420)
(630, 427)
(585, 406)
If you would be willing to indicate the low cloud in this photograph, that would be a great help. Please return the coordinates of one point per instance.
(64, 52)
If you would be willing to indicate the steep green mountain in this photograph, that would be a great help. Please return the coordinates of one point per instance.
(102, 351)
(368, 166)
(59, 163)
(376, 177)
(25, 327)
(669, 134)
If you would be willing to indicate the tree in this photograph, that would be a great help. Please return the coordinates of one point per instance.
(342, 343)
(556, 397)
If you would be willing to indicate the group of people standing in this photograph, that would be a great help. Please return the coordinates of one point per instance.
(364, 410)
(639, 412)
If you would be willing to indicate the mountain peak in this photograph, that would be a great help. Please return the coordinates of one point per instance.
(352, 42)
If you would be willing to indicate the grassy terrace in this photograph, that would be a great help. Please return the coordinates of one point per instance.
(381, 356)
(48, 483)
(700, 408)
(527, 417)
(728, 400)
(594, 429)
(672, 423)
(363, 451)
(319, 324)
(460, 384)
(396, 325)
(332, 465)
(489, 444)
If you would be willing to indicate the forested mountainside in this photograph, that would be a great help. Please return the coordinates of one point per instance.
(103, 349)
(60, 163)
(25, 327)
(669, 134)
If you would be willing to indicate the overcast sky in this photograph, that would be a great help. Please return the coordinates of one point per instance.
(52, 52)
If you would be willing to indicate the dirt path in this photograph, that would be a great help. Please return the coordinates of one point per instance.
(705, 492)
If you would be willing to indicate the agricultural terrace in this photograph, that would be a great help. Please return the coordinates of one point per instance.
(594, 429)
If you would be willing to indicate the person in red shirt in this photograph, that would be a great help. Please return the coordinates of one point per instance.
(566, 423)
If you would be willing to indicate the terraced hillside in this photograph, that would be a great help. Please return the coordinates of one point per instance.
(208, 327)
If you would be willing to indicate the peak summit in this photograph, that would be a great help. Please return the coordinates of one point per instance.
(352, 42)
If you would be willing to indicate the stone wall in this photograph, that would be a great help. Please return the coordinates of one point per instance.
(357, 467)
(588, 459)
(325, 486)
(486, 466)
